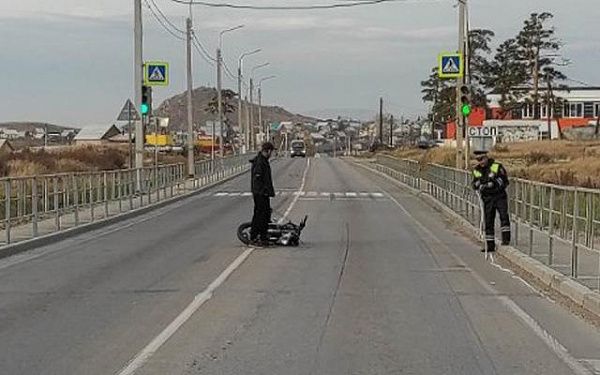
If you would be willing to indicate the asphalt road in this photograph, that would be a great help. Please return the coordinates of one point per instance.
(381, 285)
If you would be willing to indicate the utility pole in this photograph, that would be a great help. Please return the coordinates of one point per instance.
(239, 109)
(190, 113)
(220, 100)
(460, 119)
(260, 124)
(381, 121)
(251, 123)
(129, 137)
(548, 107)
(391, 131)
(138, 69)
(247, 112)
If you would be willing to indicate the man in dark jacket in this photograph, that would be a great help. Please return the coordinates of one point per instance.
(491, 180)
(262, 192)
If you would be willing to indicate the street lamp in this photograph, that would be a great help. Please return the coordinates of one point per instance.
(240, 63)
(220, 88)
(251, 130)
(260, 123)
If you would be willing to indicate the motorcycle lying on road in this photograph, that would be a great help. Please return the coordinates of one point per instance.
(285, 234)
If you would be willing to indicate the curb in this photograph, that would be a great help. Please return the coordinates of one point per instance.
(582, 296)
(48, 239)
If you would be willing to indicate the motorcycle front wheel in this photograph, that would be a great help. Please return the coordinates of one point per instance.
(243, 233)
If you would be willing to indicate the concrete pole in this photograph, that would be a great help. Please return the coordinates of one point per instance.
(190, 112)
(220, 100)
(460, 119)
(138, 69)
(239, 108)
(381, 121)
(260, 123)
(247, 124)
(251, 123)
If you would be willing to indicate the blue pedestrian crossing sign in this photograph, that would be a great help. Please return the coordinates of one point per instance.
(156, 73)
(451, 65)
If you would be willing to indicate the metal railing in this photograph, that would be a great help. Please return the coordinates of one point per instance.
(35, 206)
(558, 225)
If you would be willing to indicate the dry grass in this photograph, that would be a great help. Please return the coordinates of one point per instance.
(76, 159)
(558, 162)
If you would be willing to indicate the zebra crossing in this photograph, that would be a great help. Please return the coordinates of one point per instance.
(309, 195)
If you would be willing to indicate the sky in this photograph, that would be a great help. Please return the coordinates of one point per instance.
(70, 62)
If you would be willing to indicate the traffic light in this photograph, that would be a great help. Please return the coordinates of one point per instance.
(465, 100)
(146, 100)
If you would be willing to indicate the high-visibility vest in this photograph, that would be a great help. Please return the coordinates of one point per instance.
(494, 168)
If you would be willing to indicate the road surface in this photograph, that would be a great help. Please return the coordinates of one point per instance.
(381, 285)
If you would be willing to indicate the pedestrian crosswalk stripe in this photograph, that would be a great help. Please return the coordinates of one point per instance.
(308, 194)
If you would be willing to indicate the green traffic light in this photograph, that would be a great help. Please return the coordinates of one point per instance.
(144, 109)
(466, 109)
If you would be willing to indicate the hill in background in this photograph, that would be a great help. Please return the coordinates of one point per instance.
(176, 109)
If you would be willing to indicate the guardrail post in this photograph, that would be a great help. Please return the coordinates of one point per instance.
(91, 201)
(551, 228)
(105, 193)
(7, 208)
(530, 219)
(76, 199)
(130, 187)
(575, 235)
(56, 208)
(589, 223)
(34, 207)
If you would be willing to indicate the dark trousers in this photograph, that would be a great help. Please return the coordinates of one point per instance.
(490, 206)
(261, 218)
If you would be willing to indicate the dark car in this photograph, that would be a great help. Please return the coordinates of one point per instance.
(298, 149)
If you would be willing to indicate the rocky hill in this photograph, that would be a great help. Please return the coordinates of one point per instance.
(175, 108)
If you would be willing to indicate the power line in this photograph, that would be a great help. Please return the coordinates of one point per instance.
(227, 71)
(299, 7)
(204, 50)
(202, 54)
(161, 22)
(167, 19)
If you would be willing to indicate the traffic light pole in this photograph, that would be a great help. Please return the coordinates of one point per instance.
(190, 114)
(460, 119)
(138, 69)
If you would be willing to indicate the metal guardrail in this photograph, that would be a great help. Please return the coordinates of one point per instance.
(558, 225)
(34, 206)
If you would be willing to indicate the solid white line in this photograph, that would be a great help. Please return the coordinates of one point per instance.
(551, 342)
(145, 354)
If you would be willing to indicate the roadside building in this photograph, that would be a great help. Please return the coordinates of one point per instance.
(96, 136)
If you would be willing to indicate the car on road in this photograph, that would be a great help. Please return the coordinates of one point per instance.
(298, 149)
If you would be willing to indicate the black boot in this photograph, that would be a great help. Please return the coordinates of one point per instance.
(506, 238)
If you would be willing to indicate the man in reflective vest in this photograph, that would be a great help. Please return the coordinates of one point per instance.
(491, 180)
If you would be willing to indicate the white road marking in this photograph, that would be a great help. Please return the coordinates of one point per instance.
(339, 195)
(144, 355)
(247, 194)
(312, 193)
(551, 342)
(324, 194)
(302, 185)
(351, 194)
(221, 194)
(147, 352)
(378, 195)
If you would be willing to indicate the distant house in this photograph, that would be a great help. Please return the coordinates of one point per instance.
(96, 135)
(11, 134)
(5, 147)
